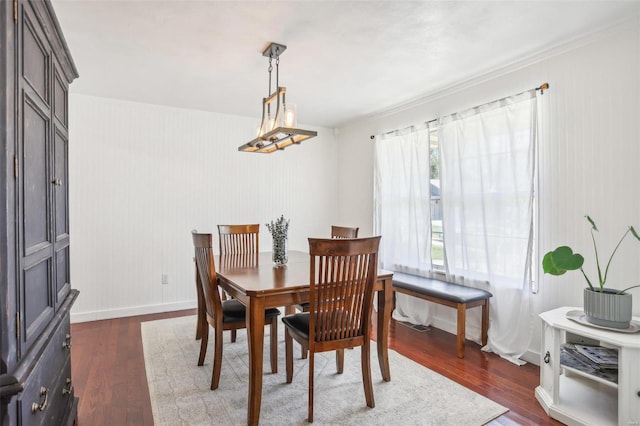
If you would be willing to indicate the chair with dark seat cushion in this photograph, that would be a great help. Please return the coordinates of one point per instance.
(241, 241)
(341, 280)
(223, 315)
(336, 232)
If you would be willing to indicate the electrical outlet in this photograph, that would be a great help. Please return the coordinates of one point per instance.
(165, 279)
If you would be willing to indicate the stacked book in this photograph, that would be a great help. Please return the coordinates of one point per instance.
(597, 361)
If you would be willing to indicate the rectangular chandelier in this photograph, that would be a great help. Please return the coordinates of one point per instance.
(278, 128)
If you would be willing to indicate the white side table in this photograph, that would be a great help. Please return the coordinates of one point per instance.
(578, 398)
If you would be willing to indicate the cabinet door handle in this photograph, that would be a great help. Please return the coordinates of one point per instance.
(547, 357)
(40, 407)
(67, 342)
(68, 390)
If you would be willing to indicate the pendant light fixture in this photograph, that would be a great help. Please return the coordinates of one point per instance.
(278, 125)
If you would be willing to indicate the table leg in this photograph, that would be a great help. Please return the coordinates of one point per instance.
(255, 329)
(385, 304)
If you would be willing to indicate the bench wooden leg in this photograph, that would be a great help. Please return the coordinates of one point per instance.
(485, 322)
(462, 316)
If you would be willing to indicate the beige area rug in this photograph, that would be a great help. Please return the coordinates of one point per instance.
(180, 393)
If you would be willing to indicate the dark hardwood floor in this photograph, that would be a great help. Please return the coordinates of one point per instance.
(110, 380)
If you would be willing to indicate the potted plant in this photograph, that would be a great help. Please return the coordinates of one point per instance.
(602, 306)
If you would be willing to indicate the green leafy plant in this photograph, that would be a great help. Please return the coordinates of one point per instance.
(279, 229)
(563, 259)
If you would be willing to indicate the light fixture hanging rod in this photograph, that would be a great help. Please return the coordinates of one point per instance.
(274, 50)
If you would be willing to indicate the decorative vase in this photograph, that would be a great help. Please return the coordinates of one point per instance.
(608, 308)
(279, 231)
(280, 254)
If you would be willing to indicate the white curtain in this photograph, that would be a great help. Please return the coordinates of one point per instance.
(402, 212)
(487, 189)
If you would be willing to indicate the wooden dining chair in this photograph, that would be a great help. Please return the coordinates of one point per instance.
(344, 232)
(224, 315)
(336, 232)
(241, 241)
(341, 280)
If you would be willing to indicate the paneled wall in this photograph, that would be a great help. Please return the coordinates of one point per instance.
(589, 155)
(143, 176)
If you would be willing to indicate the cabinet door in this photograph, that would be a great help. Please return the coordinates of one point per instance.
(60, 193)
(546, 366)
(35, 237)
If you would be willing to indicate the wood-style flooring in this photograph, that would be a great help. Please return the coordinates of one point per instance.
(110, 380)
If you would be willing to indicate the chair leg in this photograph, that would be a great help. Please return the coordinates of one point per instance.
(310, 417)
(340, 360)
(366, 374)
(217, 358)
(204, 341)
(288, 350)
(233, 336)
(274, 345)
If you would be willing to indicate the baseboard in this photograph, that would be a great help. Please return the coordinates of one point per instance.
(532, 357)
(131, 311)
(473, 334)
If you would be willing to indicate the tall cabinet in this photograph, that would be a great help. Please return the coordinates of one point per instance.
(36, 385)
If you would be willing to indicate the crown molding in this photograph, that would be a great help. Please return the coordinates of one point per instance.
(626, 24)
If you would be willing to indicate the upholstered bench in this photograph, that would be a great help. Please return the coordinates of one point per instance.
(444, 293)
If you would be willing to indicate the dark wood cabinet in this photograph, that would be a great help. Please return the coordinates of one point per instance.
(36, 68)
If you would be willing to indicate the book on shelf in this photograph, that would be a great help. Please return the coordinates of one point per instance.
(571, 356)
(603, 357)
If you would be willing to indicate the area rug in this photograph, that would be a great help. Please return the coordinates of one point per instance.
(180, 393)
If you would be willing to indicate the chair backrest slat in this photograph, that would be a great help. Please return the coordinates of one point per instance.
(344, 232)
(239, 239)
(342, 276)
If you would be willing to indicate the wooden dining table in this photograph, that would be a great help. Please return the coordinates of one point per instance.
(258, 284)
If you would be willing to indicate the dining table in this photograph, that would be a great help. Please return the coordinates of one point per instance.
(258, 284)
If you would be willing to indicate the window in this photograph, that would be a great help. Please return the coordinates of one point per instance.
(437, 233)
(459, 199)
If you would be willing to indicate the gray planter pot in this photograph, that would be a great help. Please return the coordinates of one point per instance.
(608, 308)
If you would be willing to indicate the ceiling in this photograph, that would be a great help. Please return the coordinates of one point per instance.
(344, 59)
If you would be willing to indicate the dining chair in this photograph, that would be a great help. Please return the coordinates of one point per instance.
(341, 279)
(336, 232)
(242, 241)
(239, 239)
(224, 315)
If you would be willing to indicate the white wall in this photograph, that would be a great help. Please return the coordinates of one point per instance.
(143, 176)
(589, 154)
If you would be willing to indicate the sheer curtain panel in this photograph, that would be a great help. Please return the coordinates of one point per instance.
(487, 178)
(402, 212)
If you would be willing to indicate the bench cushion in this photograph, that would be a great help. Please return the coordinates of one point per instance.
(440, 289)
